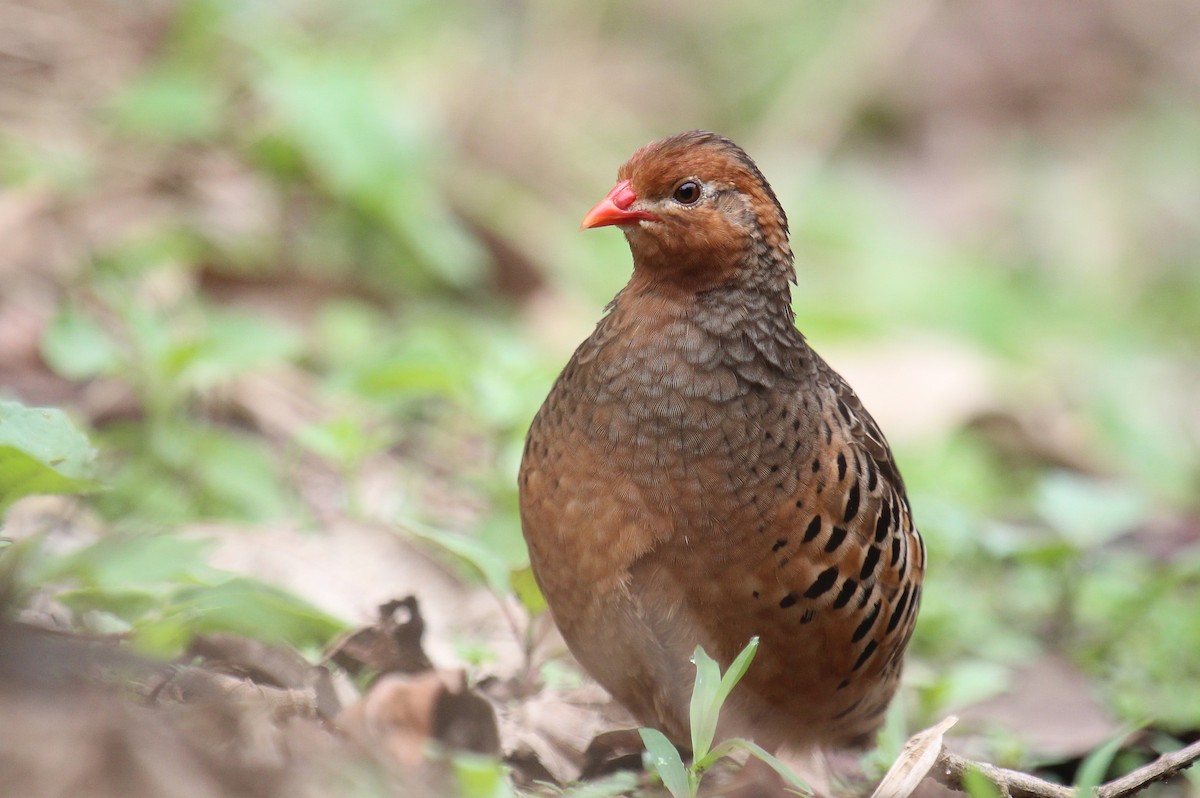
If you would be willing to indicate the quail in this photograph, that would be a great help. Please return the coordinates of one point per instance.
(698, 475)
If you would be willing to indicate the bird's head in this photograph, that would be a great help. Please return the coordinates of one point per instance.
(697, 213)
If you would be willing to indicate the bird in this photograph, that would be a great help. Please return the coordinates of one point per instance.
(698, 475)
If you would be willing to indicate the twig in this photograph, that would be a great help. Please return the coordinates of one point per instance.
(951, 768)
(1164, 767)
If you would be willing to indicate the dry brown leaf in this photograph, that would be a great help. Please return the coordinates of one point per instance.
(1050, 707)
(402, 714)
(391, 645)
(916, 758)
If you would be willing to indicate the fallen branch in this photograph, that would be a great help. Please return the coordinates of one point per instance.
(951, 768)
(1164, 767)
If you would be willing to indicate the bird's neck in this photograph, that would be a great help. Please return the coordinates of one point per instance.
(750, 320)
(753, 292)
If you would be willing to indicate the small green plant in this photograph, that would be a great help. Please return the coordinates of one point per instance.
(172, 463)
(159, 591)
(708, 695)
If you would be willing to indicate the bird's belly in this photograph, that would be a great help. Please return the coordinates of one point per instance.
(660, 549)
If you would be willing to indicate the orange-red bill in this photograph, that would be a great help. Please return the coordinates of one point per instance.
(614, 209)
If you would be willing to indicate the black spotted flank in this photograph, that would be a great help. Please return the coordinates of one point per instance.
(898, 613)
(912, 605)
(814, 529)
(895, 550)
(779, 544)
(852, 503)
(808, 616)
(883, 524)
(850, 708)
(816, 465)
(841, 462)
(869, 562)
(788, 601)
(843, 598)
(867, 623)
(835, 539)
(822, 583)
(866, 654)
(872, 473)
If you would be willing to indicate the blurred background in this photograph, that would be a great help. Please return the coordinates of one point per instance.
(302, 271)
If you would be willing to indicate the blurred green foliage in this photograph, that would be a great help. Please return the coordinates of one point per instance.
(1080, 288)
(159, 589)
(41, 452)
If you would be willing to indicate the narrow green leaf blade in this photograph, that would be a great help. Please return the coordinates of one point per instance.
(665, 759)
(706, 703)
(1091, 771)
(737, 669)
(727, 747)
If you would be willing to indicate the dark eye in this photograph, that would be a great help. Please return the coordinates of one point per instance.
(687, 192)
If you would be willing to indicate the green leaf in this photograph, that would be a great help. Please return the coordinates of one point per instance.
(706, 703)
(185, 470)
(978, 785)
(665, 760)
(616, 785)
(128, 562)
(170, 103)
(1088, 512)
(737, 669)
(343, 441)
(1091, 771)
(526, 587)
(255, 609)
(41, 451)
(727, 747)
(490, 565)
(234, 344)
(709, 694)
(78, 348)
(370, 145)
(163, 637)
(129, 604)
(481, 777)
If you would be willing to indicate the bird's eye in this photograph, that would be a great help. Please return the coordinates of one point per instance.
(687, 192)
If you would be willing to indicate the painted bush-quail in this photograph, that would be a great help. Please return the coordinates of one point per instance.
(699, 475)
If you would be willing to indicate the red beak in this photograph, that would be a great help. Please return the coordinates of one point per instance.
(614, 209)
